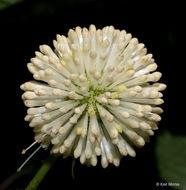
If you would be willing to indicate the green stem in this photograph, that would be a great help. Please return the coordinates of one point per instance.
(34, 183)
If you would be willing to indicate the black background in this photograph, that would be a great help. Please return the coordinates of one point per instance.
(27, 25)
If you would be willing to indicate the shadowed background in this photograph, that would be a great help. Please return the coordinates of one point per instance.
(28, 24)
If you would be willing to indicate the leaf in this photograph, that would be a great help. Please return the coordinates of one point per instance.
(6, 3)
(171, 158)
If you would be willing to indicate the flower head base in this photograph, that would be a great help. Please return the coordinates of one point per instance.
(95, 96)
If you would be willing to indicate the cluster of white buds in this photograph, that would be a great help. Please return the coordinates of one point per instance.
(96, 95)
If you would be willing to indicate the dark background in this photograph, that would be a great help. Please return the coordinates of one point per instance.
(25, 26)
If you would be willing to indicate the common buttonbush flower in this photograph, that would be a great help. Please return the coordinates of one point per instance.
(96, 94)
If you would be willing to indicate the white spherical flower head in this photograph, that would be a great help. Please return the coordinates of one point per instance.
(95, 95)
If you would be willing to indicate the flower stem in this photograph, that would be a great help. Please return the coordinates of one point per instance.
(34, 183)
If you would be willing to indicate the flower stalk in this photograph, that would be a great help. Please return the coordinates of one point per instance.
(48, 163)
